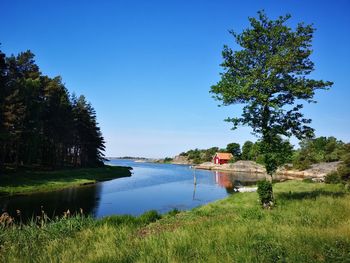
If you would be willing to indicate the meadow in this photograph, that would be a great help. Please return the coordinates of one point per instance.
(29, 181)
(310, 223)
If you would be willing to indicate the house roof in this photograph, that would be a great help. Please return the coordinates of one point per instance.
(224, 156)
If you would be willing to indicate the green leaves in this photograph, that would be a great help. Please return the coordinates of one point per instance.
(38, 120)
(268, 76)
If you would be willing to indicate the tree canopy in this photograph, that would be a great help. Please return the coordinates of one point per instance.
(269, 77)
(40, 123)
(316, 150)
(235, 149)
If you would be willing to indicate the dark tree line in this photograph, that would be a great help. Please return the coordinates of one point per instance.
(41, 124)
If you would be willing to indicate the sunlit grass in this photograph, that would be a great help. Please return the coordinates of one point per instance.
(310, 223)
(34, 181)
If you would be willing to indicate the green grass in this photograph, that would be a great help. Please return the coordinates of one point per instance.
(311, 223)
(34, 181)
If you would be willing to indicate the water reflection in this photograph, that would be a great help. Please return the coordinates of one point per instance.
(231, 181)
(54, 203)
(162, 187)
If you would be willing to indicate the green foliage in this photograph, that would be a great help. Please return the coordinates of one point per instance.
(275, 153)
(149, 217)
(173, 212)
(271, 155)
(268, 75)
(200, 155)
(265, 193)
(40, 123)
(333, 178)
(316, 150)
(247, 150)
(344, 168)
(168, 159)
(235, 149)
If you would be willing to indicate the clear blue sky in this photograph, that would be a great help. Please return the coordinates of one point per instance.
(147, 66)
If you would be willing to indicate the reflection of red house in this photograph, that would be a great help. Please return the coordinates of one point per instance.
(223, 179)
(221, 158)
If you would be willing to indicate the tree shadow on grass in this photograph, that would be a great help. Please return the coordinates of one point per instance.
(308, 194)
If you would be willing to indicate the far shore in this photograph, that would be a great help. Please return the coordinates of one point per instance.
(316, 172)
(27, 182)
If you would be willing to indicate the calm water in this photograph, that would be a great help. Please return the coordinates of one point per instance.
(162, 187)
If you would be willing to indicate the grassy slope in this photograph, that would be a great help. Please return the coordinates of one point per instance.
(311, 223)
(31, 181)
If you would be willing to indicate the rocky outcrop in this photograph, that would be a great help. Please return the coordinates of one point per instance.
(239, 166)
(317, 171)
(178, 159)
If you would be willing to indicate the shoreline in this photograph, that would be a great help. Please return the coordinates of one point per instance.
(316, 172)
(307, 214)
(29, 182)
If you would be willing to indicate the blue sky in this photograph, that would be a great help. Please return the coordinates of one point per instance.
(147, 66)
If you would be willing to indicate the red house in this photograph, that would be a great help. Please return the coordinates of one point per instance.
(221, 158)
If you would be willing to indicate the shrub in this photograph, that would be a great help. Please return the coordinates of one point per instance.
(149, 217)
(344, 168)
(173, 212)
(301, 165)
(265, 193)
(333, 178)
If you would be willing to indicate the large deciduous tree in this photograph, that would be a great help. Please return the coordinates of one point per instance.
(268, 75)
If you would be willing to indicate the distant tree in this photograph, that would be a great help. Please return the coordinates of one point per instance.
(316, 150)
(89, 143)
(235, 149)
(344, 169)
(209, 154)
(246, 148)
(168, 159)
(39, 124)
(256, 152)
(3, 91)
(222, 150)
(268, 75)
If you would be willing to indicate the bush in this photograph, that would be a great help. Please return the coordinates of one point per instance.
(173, 212)
(333, 178)
(149, 217)
(344, 168)
(301, 165)
(265, 193)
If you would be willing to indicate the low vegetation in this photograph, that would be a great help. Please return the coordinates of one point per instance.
(321, 149)
(310, 223)
(33, 181)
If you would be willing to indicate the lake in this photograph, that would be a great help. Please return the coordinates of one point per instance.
(161, 187)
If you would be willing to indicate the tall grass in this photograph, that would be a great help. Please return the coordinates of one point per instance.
(311, 223)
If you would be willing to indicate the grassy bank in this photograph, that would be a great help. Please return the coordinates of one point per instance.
(34, 181)
(310, 224)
